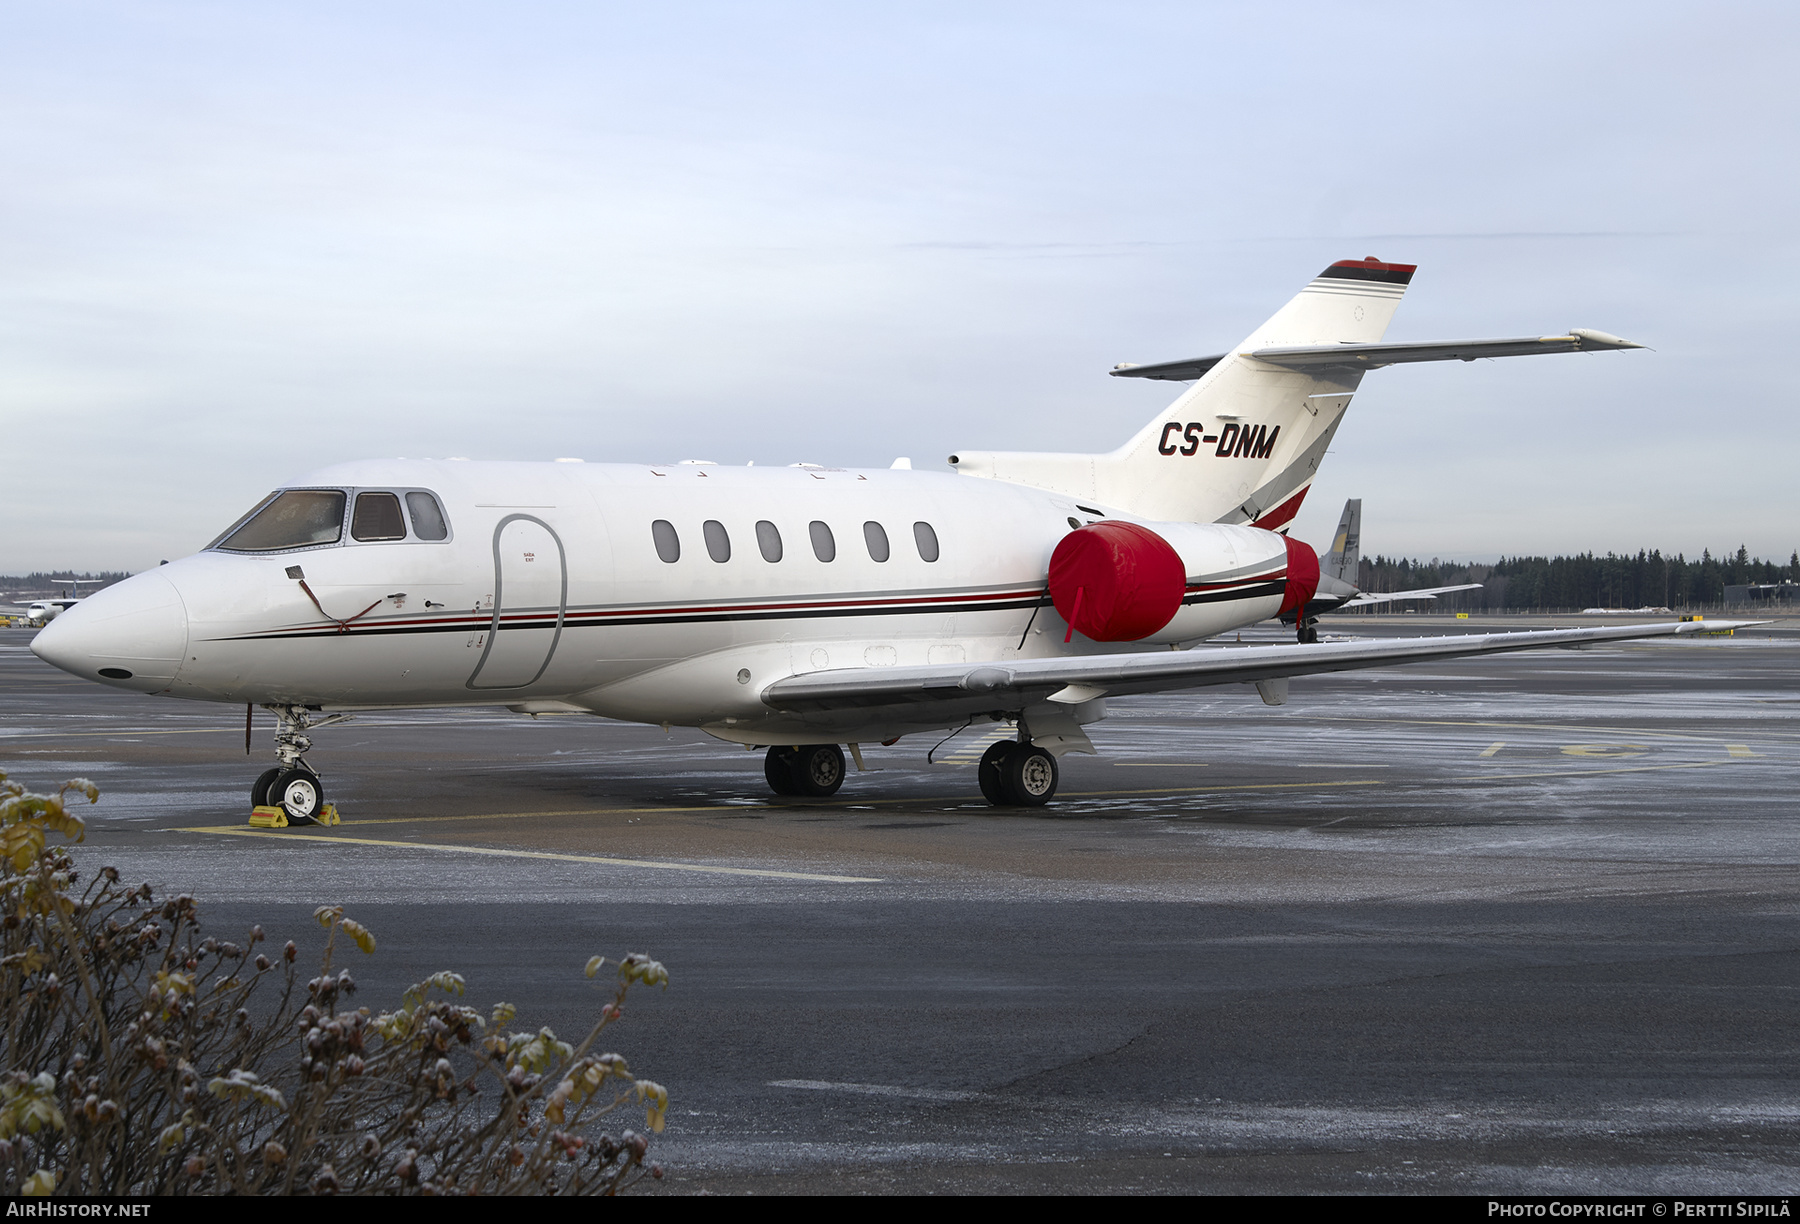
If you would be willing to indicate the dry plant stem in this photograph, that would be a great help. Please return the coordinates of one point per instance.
(309, 1118)
(81, 968)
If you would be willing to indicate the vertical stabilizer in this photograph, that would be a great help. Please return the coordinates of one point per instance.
(1243, 443)
(1345, 557)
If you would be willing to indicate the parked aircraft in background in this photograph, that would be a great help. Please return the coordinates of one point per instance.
(43, 611)
(1339, 573)
(799, 609)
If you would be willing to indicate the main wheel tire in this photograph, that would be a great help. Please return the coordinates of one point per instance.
(1029, 774)
(259, 790)
(991, 773)
(818, 770)
(300, 794)
(778, 768)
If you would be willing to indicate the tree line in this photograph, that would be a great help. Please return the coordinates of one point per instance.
(1648, 579)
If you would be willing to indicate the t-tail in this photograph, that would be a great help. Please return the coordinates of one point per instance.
(1344, 560)
(1244, 442)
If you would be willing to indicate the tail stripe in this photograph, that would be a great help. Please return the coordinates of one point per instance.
(1370, 270)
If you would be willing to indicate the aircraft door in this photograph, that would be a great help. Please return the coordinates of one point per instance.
(531, 595)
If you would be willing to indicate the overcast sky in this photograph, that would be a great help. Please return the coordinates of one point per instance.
(238, 242)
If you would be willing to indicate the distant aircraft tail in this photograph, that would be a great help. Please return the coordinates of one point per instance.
(1344, 560)
(1243, 443)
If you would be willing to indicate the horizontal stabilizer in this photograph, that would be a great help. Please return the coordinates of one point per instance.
(1169, 371)
(1369, 597)
(1374, 356)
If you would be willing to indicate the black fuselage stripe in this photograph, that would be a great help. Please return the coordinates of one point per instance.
(591, 620)
(1260, 591)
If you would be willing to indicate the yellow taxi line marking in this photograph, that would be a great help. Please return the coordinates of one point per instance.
(1492, 748)
(644, 811)
(1583, 773)
(1457, 722)
(1740, 750)
(121, 731)
(942, 803)
(494, 852)
(1188, 790)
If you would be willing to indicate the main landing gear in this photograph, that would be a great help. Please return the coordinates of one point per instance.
(1011, 773)
(814, 770)
(1017, 773)
(293, 785)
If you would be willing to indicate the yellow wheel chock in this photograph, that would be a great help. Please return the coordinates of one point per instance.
(269, 816)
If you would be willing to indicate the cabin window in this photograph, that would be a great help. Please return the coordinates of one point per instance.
(296, 518)
(377, 517)
(824, 547)
(768, 539)
(668, 544)
(427, 517)
(718, 543)
(875, 536)
(926, 539)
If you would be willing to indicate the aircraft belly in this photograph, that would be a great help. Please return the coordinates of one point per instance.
(716, 672)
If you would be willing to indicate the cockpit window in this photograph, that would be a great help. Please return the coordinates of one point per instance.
(294, 519)
(377, 517)
(427, 517)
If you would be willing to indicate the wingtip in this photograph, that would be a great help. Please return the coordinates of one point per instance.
(1591, 338)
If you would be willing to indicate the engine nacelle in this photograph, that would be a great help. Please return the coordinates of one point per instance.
(1114, 581)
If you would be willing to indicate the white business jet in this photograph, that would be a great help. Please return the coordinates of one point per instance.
(799, 608)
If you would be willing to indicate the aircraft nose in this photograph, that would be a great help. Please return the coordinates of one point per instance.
(131, 635)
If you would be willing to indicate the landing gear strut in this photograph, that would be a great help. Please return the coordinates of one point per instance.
(1015, 773)
(1308, 631)
(814, 770)
(293, 785)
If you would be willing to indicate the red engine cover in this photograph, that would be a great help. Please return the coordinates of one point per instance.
(1302, 576)
(1117, 582)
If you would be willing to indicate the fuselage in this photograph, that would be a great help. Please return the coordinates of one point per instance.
(653, 593)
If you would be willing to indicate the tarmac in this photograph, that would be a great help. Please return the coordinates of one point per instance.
(1525, 924)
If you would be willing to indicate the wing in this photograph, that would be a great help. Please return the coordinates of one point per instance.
(1368, 597)
(956, 689)
(1373, 356)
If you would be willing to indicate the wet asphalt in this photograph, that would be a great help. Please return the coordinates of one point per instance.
(1524, 924)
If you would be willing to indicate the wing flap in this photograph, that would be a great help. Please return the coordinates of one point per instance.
(1023, 682)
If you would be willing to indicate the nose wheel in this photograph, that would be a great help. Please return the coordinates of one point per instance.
(300, 794)
(259, 790)
(293, 785)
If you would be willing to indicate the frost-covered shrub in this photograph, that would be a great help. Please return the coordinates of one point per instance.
(143, 1057)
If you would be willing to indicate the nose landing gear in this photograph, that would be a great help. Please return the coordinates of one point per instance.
(293, 785)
